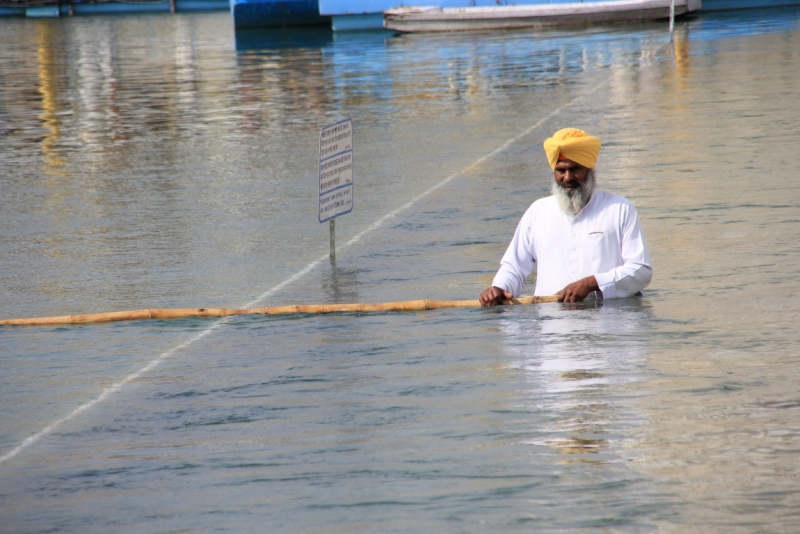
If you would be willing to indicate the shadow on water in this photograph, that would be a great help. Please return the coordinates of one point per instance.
(258, 39)
(265, 39)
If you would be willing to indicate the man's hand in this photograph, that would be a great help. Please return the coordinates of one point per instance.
(576, 291)
(494, 296)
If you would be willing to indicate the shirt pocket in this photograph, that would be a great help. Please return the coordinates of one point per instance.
(597, 245)
(601, 248)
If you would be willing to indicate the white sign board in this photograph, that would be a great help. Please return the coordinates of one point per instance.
(335, 170)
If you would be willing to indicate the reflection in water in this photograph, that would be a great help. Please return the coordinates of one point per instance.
(186, 71)
(48, 87)
(340, 286)
(97, 114)
(274, 84)
(682, 58)
(577, 358)
(254, 40)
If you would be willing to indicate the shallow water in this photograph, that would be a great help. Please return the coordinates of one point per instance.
(161, 161)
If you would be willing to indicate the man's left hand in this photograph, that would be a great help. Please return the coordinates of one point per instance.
(577, 291)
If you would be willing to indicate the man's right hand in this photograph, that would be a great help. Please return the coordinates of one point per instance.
(494, 296)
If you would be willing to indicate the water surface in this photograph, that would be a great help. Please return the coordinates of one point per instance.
(162, 161)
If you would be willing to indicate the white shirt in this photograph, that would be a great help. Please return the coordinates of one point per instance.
(605, 239)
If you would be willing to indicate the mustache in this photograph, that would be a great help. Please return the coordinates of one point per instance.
(572, 188)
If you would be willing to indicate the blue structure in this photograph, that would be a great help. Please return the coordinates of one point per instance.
(77, 7)
(267, 13)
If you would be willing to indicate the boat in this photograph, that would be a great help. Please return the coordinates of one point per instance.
(438, 19)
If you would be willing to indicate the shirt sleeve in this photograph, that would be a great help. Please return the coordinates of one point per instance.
(518, 261)
(636, 271)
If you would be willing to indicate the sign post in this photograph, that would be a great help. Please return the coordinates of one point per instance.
(335, 174)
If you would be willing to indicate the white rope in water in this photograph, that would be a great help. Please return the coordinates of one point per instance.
(299, 274)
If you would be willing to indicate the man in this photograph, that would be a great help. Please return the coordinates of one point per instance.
(581, 239)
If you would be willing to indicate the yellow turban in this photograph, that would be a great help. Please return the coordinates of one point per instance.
(575, 145)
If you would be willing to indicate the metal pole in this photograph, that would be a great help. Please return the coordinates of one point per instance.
(333, 238)
(671, 18)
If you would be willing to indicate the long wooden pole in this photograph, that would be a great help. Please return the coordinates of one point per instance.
(177, 313)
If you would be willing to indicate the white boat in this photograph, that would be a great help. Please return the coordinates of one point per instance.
(437, 19)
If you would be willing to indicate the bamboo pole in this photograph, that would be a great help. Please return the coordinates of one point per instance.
(178, 313)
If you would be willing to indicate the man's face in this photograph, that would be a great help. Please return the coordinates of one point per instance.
(570, 175)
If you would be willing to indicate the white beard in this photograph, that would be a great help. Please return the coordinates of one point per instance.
(572, 201)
